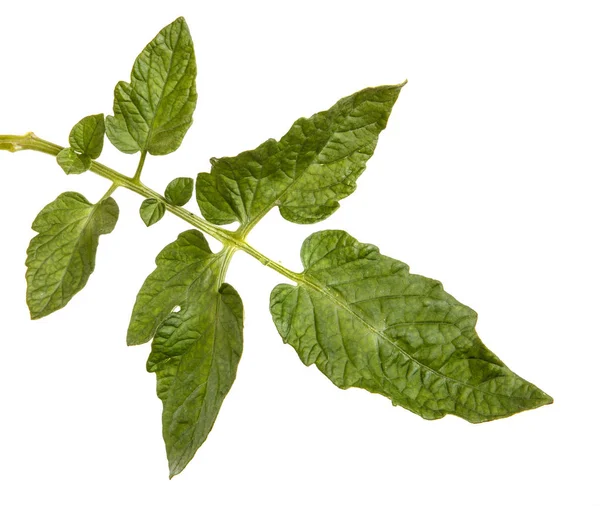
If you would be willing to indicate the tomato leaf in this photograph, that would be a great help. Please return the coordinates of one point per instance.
(366, 322)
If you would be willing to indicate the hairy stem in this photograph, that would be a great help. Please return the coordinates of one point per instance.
(230, 240)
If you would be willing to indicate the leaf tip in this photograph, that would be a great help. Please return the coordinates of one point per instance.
(175, 467)
(35, 313)
(546, 399)
(35, 316)
(179, 23)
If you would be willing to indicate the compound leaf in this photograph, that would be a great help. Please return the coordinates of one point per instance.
(179, 191)
(154, 111)
(62, 255)
(307, 172)
(87, 136)
(366, 322)
(197, 347)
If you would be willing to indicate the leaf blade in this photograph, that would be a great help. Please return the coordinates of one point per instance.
(154, 111)
(87, 136)
(116, 127)
(152, 211)
(196, 349)
(178, 266)
(196, 366)
(366, 322)
(61, 257)
(179, 191)
(314, 165)
(72, 162)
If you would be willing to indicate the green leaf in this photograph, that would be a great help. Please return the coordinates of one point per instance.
(117, 133)
(151, 211)
(72, 162)
(196, 350)
(307, 172)
(87, 136)
(366, 322)
(179, 191)
(62, 255)
(178, 266)
(154, 111)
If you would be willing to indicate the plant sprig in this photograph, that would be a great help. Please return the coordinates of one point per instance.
(362, 318)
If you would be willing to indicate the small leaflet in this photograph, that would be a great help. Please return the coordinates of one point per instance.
(72, 162)
(179, 191)
(87, 136)
(151, 211)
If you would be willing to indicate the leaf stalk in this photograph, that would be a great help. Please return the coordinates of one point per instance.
(231, 240)
(138, 171)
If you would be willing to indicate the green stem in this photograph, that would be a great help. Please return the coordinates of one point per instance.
(231, 240)
(138, 171)
(227, 252)
(263, 259)
(109, 192)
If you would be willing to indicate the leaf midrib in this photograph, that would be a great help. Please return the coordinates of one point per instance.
(162, 93)
(309, 282)
(212, 359)
(71, 256)
(250, 224)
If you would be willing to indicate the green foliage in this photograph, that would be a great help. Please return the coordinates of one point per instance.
(366, 322)
(154, 111)
(307, 172)
(196, 350)
(151, 211)
(62, 255)
(86, 140)
(180, 268)
(359, 316)
(179, 191)
(72, 162)
(87, 136)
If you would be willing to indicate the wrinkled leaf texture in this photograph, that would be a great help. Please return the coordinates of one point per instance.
(366, 322)
(154, 111)
(62, 255)
(152, 211)
(307, 172)
(179, 191)
(87, 136)
(195, 322)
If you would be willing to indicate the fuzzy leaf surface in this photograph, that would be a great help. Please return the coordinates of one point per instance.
(179, 191)
(307, 172)
(195, 350)
(62, 255)
(366, 322)
(87, 136)
(154, 111)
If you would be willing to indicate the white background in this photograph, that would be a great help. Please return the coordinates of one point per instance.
(486, 179)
